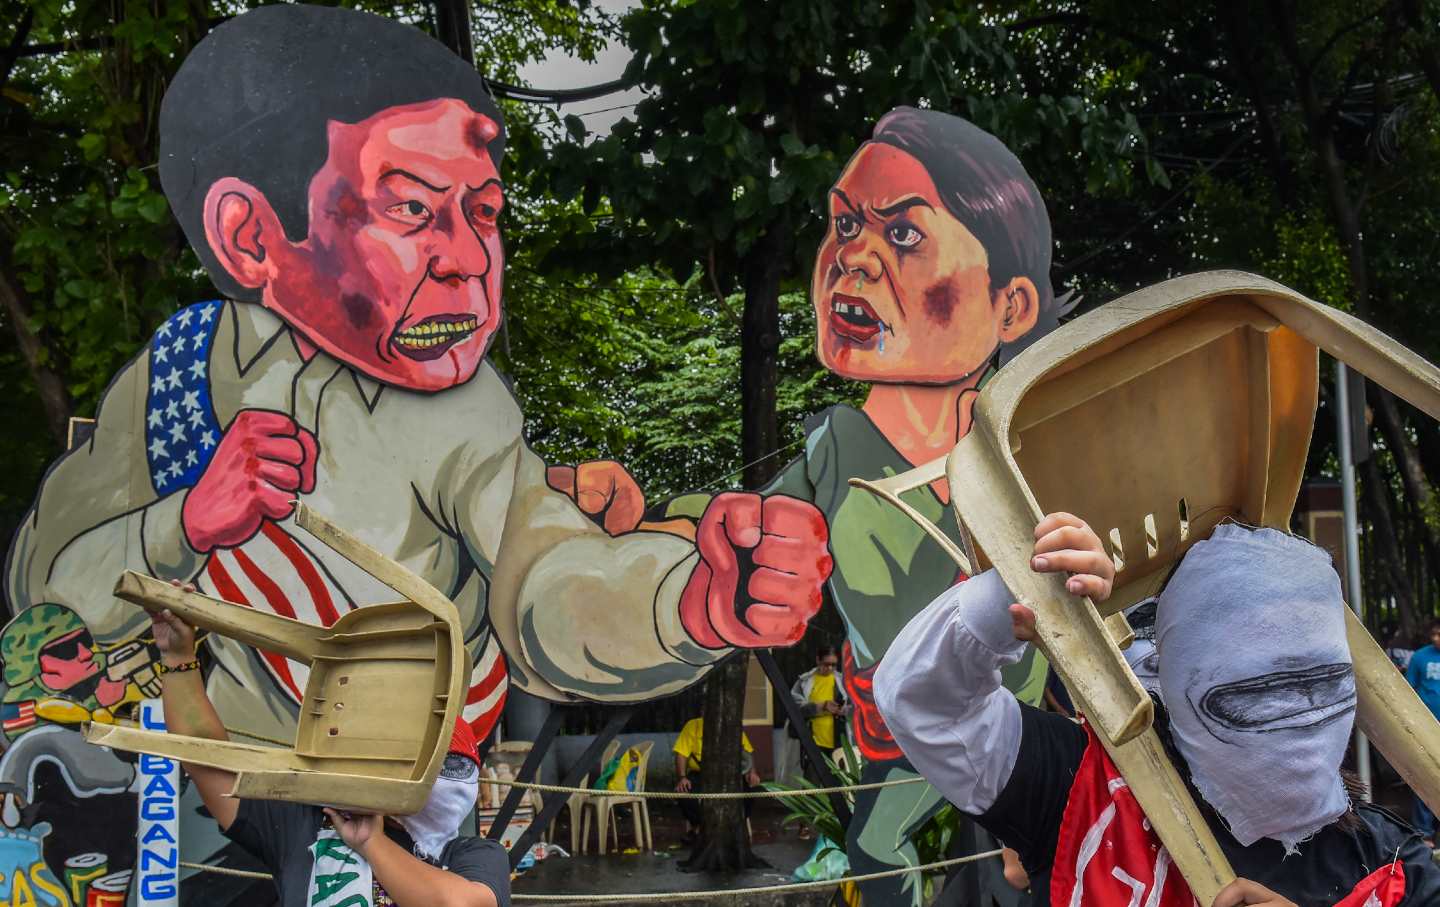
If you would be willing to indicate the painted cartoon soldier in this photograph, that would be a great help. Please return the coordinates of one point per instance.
(54, 672)
(338, 174)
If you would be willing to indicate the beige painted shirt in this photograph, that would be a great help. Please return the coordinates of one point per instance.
(442, 483)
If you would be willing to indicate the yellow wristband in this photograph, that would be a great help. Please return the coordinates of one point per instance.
(192, 665)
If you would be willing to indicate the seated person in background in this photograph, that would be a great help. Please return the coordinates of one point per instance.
(325, 858)
(687, 772)
(1257, 696)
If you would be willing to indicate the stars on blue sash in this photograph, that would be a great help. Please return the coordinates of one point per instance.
(181, 429)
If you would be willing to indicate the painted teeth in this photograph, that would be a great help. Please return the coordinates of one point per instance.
(842, 308)
(433, 333)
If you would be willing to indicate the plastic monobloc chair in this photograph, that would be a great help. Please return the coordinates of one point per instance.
(1154, 418)
(385, 685)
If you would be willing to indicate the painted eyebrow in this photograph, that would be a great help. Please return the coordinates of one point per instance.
(396, 171)
(903, 205)
(849, 204)
(492, 181)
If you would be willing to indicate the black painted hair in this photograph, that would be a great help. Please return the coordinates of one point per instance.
(985, 187)
(254, 99)
(827, 652)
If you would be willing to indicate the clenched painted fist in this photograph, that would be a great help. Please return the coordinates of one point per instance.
(763, 563)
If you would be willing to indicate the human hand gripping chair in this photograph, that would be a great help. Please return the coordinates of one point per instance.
(379, 707)
(1154, 418)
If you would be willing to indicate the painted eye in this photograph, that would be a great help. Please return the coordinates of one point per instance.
(905, 236)
(411, 211)
(485, 213)
(847, 226)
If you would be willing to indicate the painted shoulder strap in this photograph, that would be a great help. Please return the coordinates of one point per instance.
(181, 429)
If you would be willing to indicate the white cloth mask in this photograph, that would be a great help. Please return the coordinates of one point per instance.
(451, 800)
(1256, 674)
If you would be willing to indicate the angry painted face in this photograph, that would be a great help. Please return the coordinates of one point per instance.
(901, 288)
(400, 276)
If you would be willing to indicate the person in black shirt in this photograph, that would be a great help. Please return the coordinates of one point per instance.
(325, 858)
(1255, 671)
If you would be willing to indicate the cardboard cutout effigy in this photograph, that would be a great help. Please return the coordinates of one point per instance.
(338, 175)
(934, 271)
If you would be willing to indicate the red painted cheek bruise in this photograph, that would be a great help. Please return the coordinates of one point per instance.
(346, 208)
(359, 309)
(940, 302)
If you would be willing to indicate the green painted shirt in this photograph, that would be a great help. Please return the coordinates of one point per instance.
(886, 569)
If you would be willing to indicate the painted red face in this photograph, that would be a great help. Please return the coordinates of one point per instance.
(68, 660)
(901, 288)
(400, 276)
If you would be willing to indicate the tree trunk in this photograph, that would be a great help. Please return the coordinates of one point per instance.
(452, 27)
(1238, 23)
(1425, 49)
(1319, 127)
(723, 844)
(48, 383)
(1385, 543)
(1412, 471)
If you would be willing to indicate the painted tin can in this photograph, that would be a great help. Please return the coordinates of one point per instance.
(109, 890)
(80, 871)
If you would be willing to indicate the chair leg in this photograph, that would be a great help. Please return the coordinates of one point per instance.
(602, 822)
(584, 828)
(649, 833)
(575, 813)
(639, 826)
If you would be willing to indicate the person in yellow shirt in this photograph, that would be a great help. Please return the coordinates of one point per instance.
(687, 751)
(821, 700)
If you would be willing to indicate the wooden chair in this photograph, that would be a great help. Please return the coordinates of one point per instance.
(1154, 418)
(379, 707)
(575, 802)
(605, 807)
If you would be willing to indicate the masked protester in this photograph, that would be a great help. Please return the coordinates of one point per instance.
(1256, 703)
(326, 858)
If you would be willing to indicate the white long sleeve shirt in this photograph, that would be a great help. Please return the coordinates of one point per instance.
(938, 689)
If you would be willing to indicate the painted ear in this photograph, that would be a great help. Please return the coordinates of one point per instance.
(239, 224)
(1018, 306)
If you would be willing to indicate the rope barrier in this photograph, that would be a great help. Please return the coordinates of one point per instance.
(733, 892)
(676, 795)
(227, 871)
(668, 895)
(646, 794)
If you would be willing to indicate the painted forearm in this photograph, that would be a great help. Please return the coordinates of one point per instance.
(411, 882)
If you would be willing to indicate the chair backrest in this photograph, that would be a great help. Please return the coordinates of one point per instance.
(643, 749)
(1153, 418)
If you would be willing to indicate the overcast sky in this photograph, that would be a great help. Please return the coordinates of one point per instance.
(563, 71)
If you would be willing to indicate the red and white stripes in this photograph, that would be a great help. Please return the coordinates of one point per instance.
(273, 572)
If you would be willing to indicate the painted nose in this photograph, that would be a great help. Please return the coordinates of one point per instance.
(859, 257)
(457, 253)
